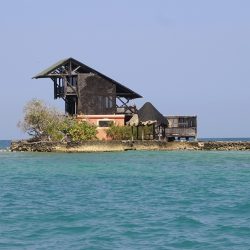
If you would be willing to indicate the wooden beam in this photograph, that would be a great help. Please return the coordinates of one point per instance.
(142, 133)
(153, 131)
(55, 88)
(125, 104)
(74, 71)
(70, 67)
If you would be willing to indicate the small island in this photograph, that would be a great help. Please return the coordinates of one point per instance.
(99, 118)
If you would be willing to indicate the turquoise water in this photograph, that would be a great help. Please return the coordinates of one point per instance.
(4, 144)
(126, 200)
(243, 139)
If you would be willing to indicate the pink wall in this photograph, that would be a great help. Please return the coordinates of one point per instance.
(101, 131)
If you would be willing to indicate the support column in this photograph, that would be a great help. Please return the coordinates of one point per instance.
(132, 131)
(142, 133)
(153, 131)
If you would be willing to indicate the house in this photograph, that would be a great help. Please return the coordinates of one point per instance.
(181, 127)
(94, 97)
(90, 95)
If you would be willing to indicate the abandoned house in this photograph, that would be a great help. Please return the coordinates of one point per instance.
(181, 127)
(90, 95)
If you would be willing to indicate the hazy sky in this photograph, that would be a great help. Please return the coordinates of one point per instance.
(187, 57)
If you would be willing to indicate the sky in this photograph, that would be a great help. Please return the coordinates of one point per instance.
(186, 57)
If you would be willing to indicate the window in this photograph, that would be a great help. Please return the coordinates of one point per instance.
(105, 123)
(72, 80)
(183, 123)
(108, 102)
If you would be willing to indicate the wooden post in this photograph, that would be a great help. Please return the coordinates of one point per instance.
(132, 130)
(70, 68)
(153, 131)
(55, 88)
(65, 86)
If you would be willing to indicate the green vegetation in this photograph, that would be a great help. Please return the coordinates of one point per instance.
(119, 132)
(46, 123)
(80, 131)
(148, 132)
(125, 132)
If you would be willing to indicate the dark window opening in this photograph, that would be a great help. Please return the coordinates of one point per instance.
(183, 123)
(108, 102)
(71, 105)
(105, 123)
(72, 80)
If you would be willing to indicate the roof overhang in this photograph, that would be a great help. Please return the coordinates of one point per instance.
(71, 66)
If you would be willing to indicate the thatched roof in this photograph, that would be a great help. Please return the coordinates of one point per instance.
(147, 115)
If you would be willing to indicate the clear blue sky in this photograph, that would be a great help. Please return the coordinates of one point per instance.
(186, 57)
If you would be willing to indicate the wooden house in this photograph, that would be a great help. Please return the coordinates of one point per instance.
(181, 127)
(90, 95)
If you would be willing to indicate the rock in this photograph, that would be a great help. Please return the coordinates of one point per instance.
(105, 146)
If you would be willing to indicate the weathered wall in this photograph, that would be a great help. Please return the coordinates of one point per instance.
(118, 120)
(95, 95)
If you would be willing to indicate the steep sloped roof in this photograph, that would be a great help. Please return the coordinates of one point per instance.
(148, 113)
(61, 67)
(46, 72)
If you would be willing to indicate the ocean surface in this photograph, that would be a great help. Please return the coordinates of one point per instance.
(4, 145)
(243, 139)
(125, 200)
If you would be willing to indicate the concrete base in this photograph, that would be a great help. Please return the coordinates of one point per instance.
(110, 146)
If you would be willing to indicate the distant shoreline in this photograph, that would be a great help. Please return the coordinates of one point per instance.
(112, 146)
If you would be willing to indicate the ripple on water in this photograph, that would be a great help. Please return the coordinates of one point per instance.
(132, 200)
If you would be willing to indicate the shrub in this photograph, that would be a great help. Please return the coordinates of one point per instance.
(80, 131)
(46, 123)
(119, 132)
(148, 132)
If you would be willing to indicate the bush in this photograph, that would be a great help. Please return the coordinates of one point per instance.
(148, 132)
(46, 123)
(80, 131)
(119, 132)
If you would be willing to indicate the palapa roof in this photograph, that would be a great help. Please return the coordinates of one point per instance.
(61, 68)
(147, 115)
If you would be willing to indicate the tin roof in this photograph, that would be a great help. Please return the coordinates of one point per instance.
(61, 67)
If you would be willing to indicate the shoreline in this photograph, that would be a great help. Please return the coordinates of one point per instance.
(116, 146)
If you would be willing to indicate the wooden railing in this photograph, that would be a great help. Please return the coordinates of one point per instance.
(181, 132)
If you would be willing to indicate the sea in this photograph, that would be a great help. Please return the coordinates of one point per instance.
(124, 200)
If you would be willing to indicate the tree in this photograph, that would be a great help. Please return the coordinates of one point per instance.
(41, 121)
(46, 123)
